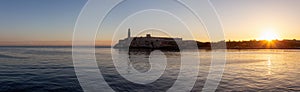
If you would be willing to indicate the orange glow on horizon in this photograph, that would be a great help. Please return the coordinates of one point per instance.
(269, 34)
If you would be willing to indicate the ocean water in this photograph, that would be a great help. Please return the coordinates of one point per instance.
(51, 69)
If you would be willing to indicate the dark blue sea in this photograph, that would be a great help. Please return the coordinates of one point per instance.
(48, 69)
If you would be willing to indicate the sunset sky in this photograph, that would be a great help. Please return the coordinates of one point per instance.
(53, 21)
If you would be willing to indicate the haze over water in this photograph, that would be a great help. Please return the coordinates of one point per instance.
(51, 69)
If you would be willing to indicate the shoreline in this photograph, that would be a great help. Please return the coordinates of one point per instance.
(137, 48)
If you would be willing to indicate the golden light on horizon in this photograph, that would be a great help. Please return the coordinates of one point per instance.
(269, 34)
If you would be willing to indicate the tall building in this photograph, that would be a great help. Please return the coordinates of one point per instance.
(128, 33)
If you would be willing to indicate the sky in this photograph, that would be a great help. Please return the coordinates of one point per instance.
(52, 22)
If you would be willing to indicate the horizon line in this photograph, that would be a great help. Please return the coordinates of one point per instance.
(106, 44)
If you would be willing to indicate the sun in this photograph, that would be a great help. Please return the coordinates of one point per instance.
(269, 35)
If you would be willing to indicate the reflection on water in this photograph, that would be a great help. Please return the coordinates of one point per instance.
(271, 70)
(139, 58)
(51, 69)
(269, 64)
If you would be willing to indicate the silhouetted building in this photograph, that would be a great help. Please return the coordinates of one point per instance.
(155, 42)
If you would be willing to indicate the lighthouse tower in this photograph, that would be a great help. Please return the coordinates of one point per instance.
(128, 33)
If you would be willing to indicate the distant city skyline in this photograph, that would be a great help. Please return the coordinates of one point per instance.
(53, 21)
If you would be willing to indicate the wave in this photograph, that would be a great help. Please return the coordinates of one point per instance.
(11, 57)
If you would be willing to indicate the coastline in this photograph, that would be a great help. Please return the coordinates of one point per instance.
(133, 48)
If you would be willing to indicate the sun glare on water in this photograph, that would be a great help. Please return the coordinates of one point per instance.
(269, 35)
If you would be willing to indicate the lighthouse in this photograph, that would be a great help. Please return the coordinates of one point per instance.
(128, 33)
